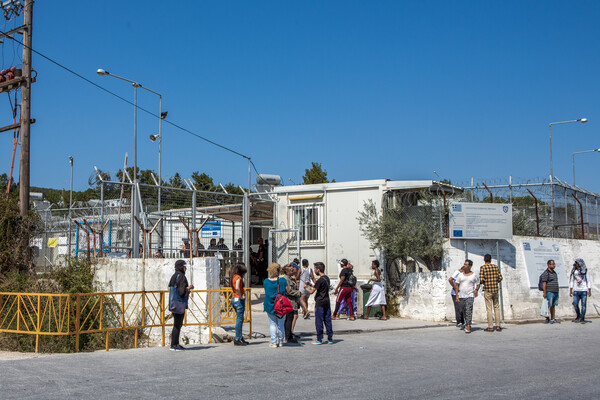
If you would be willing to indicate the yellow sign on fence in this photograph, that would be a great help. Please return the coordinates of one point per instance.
(52, 242)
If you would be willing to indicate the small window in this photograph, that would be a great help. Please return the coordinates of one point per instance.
(308, 219)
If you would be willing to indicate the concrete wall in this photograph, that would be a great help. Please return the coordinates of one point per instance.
(125, 275)
(428, 294)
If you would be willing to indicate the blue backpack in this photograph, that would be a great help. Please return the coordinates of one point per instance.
(177, 304)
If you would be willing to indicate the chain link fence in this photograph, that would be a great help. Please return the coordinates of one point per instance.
(542, 208)
(169, 223)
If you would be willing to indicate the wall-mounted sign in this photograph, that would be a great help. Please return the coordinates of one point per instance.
(211, 230)
(480, 221)
(536, 254)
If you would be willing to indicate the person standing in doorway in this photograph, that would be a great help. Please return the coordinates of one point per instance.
(580, 287)
(550, 290)
(322, 304)
(460, 320)
(261, 260)
(345, 289)
(180, 283)
(490, 277)
(377, 296)
(467, 286)
(239, 301)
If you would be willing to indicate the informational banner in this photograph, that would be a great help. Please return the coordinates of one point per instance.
(536, 254)
(211, 230)
(83, 236)
(481, 221)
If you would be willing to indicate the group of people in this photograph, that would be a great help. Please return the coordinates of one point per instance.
(297, 283)
(580, 287)
(466, 283)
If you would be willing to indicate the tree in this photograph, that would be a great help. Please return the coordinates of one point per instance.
(203, 181)
(176, 181)
(405, 231)
(315, 175)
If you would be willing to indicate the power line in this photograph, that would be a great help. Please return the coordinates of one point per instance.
(133, 104)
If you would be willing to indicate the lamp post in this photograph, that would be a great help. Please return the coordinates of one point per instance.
(135, 228)
(581, 152)
(583, 121)
(70, 204)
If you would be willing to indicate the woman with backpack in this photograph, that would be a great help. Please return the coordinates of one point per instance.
(179, 291)
(239, 301)
(273, 286)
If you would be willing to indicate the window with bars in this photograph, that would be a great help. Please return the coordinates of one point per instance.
(308, 219)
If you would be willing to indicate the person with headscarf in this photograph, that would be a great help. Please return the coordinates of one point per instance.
(580, 286)
(179, 284)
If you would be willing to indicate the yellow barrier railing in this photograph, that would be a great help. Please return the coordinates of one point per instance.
(42, 314)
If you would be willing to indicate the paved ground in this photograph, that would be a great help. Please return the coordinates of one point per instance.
(523, 361)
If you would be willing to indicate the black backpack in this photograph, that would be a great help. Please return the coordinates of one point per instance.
(540, 283)
(351, 279)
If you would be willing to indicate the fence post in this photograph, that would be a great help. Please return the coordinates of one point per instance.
(162, 316)
(37, 336)
(209, 318)
(77, 310)
(249, 308)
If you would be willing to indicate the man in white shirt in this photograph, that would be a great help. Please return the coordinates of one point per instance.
(460, 320)
(467, 285)
(580, 287)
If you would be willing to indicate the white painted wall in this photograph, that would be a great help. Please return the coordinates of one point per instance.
(428, 294)
(126, 275)
(343, 238)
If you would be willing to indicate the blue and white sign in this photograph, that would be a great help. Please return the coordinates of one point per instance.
(211, 230)
(536, 254)
(480, 221)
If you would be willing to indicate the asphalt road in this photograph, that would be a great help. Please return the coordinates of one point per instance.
(524, 361)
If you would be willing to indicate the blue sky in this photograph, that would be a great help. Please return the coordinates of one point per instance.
(369, 89)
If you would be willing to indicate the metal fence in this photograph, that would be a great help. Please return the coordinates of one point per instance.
(43, 314)
(169, 222)
(573, 214)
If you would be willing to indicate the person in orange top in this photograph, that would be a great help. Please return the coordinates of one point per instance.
(239, 301)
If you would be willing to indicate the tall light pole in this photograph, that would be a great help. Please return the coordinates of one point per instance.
(581, 152)
(135, 228)
(70, 204)
(583, 121)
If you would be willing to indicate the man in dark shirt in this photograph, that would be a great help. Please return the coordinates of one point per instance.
(550, 288)
(345, 290)
(322, 304)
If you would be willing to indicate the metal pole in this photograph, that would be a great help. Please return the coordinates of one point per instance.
(70, 205)
(597, 224)
(249, 173)
(500, 269)
(246, 234)
(551, 187)
(101, 217)
(135, 229)
(160, 118)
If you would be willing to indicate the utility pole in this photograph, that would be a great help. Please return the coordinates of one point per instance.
(26, 110)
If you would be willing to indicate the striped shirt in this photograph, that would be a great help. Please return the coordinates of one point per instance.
(490, 277)
(551, 280)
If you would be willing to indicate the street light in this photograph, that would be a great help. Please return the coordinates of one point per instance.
(135, 232)
(581, 152)
(583, 121)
